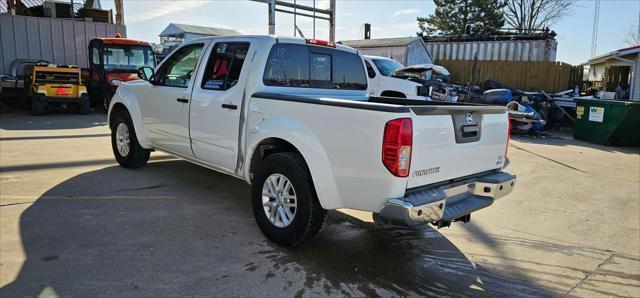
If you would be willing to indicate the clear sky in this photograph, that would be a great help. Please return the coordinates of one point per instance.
(145, 19)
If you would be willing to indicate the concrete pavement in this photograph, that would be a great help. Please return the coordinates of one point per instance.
(73, 223)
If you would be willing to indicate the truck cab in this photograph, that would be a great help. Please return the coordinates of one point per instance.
(113, 61)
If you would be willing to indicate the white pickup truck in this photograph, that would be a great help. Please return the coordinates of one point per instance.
(292, 118)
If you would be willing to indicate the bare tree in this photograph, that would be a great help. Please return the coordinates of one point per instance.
(632, 37)
(526, 15)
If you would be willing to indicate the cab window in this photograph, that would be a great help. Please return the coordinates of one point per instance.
(95, 56)
(287, 66)
(179, 67)
(224, 66)
(348, 71)
(296, 65)
(320, 70)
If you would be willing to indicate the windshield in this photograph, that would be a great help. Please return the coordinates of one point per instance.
(387, 66)
(128, 58)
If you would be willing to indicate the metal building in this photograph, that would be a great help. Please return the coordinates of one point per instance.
(60, 41)
(505, 45)
(184, 32)
(406, 50)
(507, 50)
(176, 34)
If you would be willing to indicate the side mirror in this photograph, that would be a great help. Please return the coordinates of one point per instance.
(146, 73)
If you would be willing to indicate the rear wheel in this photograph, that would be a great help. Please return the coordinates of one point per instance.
(284, 201)
(84, 107)
(25, 101)
(38, 105)
(124, 142)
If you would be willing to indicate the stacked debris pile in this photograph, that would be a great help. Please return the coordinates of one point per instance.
(530, 111)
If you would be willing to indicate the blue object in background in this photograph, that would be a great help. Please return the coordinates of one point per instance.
(497, 96)
(536, 126)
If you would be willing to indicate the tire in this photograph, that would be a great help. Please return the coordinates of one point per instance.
(308, 217)
(105, 101)
(25, 101)
(38, 105)
(136, 156)
(84, 107)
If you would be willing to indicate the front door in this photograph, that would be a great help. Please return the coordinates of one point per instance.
(217, 102)
(165, 101)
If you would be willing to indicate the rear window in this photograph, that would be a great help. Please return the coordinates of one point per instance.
(294, 65)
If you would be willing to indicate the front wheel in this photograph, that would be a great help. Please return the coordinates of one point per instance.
(124, 143)
(284, 201)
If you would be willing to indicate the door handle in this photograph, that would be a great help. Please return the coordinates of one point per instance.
(229, 106)
(184, 100)
(469, 131)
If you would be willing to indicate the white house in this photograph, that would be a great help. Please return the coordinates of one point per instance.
(617, 68)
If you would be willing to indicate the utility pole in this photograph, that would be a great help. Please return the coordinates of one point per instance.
(332, 21)
(367, 31)
(11, 7)
(272, 17)
(119, 12)
(594, 35)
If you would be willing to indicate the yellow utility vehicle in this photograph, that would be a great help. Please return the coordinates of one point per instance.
(49, 84)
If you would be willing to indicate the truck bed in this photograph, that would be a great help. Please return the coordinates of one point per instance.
(352, 137)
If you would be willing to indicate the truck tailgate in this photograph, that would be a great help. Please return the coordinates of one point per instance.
(453, 142)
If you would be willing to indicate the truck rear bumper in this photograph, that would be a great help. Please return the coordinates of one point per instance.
(445, 203)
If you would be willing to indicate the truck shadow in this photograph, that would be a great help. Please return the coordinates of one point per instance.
(58, 119)
(557, 139)
(175, 229)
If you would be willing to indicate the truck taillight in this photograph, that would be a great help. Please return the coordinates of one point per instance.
(396, 146)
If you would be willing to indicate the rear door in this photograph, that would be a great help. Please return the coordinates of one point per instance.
(453, 142)
(217, 101)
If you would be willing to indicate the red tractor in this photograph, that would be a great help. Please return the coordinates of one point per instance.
(113, 61)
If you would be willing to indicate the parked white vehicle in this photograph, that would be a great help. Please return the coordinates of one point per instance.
(382, 83)
(292, 118)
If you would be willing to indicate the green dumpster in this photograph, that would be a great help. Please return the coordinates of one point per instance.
(607, 122)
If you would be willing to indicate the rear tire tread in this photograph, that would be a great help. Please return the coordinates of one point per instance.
(317, 216)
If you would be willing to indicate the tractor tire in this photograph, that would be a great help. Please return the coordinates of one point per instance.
(38, 105)
(25, 101)
(84, 106)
